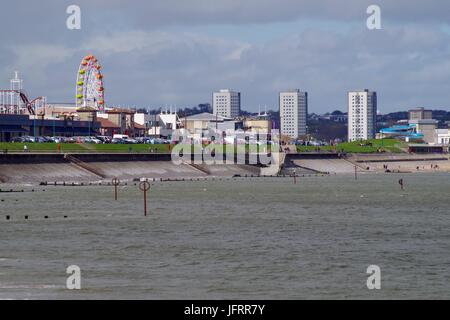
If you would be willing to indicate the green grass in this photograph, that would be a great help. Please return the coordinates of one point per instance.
(385, 145)
(124, 148)
(41, 147)
(119, 148)
(75, 147)
(314, 149)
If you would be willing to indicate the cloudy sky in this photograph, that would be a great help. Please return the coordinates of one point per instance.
(176, 52)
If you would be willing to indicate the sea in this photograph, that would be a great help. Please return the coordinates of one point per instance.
(230, 238)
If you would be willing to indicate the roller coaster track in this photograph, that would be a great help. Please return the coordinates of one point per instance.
(30, 105)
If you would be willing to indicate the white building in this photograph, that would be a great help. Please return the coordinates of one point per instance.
(443, 136)
(162, 125)
(143, 118)
(293, 113)
(227, 103)
(362, 115)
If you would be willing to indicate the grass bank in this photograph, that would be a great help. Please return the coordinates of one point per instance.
(369, 146)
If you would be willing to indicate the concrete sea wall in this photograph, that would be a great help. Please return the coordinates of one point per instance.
(28, 167)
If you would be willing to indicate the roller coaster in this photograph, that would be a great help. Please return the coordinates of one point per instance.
(17, 102)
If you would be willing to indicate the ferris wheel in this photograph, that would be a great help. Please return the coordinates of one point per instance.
(90, 90)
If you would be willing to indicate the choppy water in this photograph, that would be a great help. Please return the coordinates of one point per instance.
(232, 239)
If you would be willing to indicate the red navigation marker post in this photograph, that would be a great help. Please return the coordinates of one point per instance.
(145, 186)
(115, 183)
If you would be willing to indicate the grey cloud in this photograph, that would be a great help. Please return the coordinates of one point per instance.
(148, 63)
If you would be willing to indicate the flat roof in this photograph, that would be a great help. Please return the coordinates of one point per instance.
(205, 116)
(423, 121)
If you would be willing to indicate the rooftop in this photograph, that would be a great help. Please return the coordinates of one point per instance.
(423, 121)
(105, 123)
(121, 110)
(206, 117)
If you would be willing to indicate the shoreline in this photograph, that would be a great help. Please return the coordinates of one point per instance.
(90, 168)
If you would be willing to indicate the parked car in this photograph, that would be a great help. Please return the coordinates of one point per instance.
(29, 139)
(17, 139)
(121, 136)
(130, 141)
(55, 139)
(117, 141)
(104, 139)
(92, 140)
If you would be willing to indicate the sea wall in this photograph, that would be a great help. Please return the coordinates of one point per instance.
(31, 168)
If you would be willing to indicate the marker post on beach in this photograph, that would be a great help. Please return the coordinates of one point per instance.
(400, 182)
(115, 183)
(145, 186)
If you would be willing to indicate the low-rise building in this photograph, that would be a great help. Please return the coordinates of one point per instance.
(427, 127)
(124, 119)
(108, 128)
(57, 110)
(203, 121)
(420, 114)
(443, 136)
(258, 125)
(12, 126)
(163, 125)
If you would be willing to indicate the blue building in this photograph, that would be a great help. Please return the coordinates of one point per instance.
(21, 125)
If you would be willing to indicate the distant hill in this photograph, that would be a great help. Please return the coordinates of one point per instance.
(326, 130)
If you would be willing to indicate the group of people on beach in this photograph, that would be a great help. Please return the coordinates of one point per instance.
(432, 167)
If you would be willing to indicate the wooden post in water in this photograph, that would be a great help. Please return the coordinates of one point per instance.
(356, 172)
(115, 183)
(145, 186)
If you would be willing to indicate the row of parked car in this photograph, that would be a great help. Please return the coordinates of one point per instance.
(118, 139)
(31, 139)
(311, 143)
(138, 141)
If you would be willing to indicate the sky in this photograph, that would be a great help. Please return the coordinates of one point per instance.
(177, 52)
